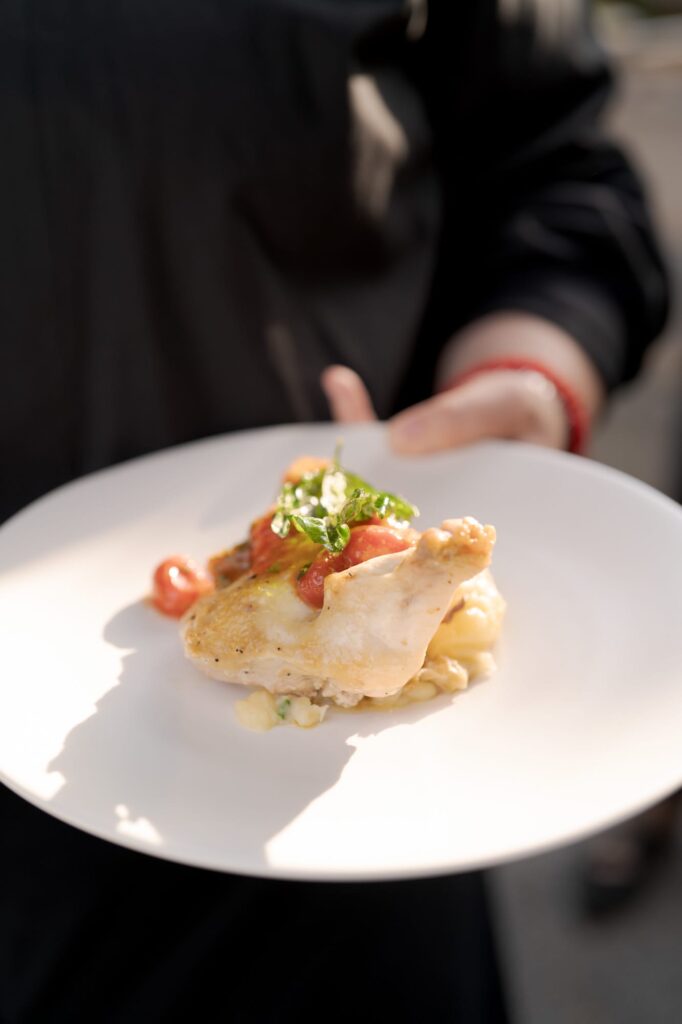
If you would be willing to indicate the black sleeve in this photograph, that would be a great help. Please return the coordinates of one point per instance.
(558, 225)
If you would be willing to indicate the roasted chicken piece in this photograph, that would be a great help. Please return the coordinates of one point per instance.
(370, 635)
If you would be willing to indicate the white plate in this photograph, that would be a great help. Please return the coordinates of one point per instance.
(104, 724)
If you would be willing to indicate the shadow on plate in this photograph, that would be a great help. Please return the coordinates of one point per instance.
(162, 755)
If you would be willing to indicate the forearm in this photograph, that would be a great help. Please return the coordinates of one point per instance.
(554, 222)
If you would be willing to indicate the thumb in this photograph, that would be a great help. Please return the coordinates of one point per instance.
(347, 395)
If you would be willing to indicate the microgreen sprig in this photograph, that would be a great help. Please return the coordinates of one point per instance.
(322, 504)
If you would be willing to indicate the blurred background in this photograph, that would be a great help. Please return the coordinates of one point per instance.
(563, 965)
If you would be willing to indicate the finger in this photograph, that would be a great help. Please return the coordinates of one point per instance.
(502, 405)
(449, 420)
(347, 395)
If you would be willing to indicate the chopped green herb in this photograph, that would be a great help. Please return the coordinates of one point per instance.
(275, 567)
(322, 504)
(283, 707)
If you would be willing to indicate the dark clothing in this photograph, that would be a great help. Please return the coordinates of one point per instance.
(203, 204)
(101, 934)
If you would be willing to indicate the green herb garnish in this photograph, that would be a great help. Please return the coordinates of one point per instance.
(322, 504)
(282, 708)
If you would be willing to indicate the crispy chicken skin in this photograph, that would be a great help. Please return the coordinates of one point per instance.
(369, 638)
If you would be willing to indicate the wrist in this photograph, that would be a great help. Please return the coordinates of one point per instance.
(539, 375)
(523, 335)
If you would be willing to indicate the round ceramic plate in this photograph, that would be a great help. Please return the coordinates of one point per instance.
(104, 724)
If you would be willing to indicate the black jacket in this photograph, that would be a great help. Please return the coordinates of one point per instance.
(202, 204)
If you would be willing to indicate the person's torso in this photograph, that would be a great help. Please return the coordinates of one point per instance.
(207, 203)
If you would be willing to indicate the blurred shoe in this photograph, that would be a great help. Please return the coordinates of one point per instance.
(620, 863)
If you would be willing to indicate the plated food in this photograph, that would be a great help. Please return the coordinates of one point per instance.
(335, 599)
(121, 736)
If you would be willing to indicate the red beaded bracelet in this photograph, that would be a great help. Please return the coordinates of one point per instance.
(576, 413)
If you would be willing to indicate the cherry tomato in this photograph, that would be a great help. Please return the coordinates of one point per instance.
(372, 539)
(266, 546)
(310, 585)
(177, 583)
(366, 541)
(303, 465)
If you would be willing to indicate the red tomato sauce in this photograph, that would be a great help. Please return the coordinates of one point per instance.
(228, 566)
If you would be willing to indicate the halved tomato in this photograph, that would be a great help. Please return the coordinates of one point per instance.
(266, 546)
(366, 541)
